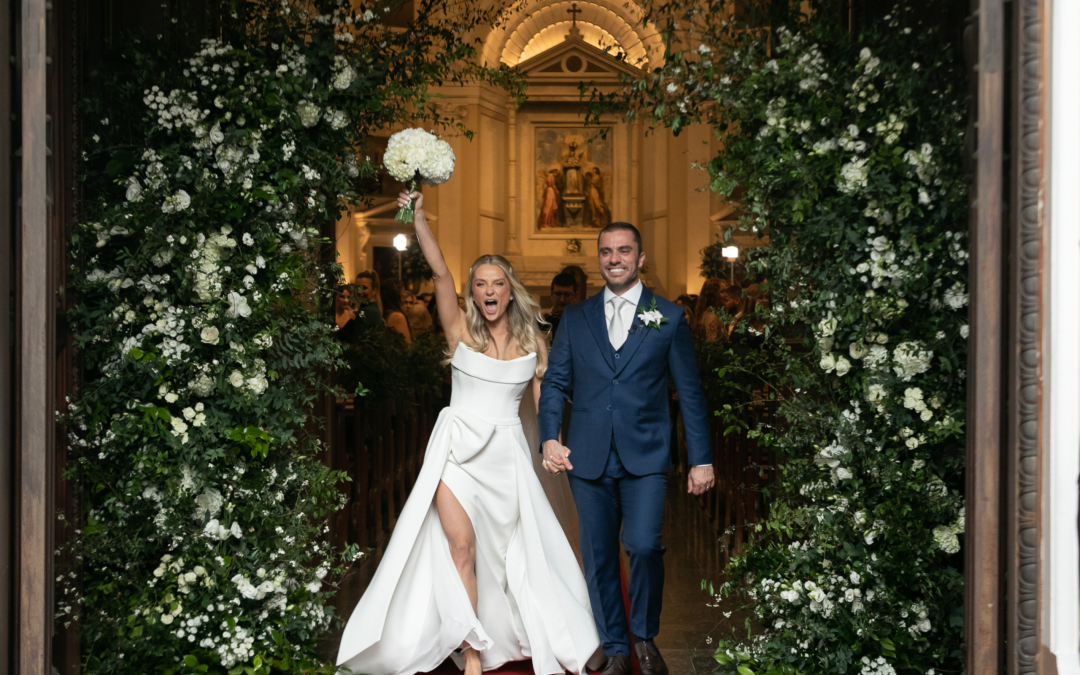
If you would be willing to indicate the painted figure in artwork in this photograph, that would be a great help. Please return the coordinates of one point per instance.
(549, 208)
(572, 168)
(599, 214)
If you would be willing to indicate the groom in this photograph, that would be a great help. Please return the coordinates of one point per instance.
(612, 358)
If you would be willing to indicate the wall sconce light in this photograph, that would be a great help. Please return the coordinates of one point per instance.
(401, 242)
(732, 254)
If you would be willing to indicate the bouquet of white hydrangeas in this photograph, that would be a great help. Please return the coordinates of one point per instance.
(414, 156)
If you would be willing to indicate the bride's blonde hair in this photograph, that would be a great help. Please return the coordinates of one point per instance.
(522, 314)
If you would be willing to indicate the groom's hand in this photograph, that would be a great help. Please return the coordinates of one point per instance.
(556, 457)
(701, 479)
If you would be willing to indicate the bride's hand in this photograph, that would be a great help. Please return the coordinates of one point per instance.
(556, 457)
(404, 197)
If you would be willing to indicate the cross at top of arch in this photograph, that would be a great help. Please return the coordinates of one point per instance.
(534, 26)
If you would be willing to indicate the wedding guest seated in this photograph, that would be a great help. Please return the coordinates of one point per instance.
(713, 297)
(564, 291)
(367, 301)
(416, 314)
(393, 312)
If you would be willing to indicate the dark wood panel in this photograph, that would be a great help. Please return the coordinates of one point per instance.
(7, 328)
(35, 310)
(985, 371)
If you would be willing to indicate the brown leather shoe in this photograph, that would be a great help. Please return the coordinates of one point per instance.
(649, 658)
(617, 665)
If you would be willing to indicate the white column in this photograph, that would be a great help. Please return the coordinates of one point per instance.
(1061, 576)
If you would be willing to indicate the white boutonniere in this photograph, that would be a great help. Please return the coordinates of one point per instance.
(651, 316)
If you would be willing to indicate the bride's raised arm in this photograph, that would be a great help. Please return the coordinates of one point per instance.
(451, 316)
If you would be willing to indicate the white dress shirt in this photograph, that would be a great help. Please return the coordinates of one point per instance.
(629, 308)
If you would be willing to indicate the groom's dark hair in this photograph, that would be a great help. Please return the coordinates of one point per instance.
(618, 225)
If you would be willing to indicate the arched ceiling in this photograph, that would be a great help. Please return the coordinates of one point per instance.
(556, 33)
(538, 25)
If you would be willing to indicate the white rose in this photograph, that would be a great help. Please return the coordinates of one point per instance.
(235, 530)
(826, 344)
(844, 474)
(828, 362)
(166, 619)
(209, 335)
(857, 350)
(134, 189)
(238, 306)
(827, 327)
(216, 136)
(236, 378)
(842, 366)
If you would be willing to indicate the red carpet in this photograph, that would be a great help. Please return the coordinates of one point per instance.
(525, 667)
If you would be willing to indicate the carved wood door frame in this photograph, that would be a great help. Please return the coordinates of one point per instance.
(1006, 50)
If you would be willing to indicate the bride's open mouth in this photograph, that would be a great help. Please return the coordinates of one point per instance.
(490, 307)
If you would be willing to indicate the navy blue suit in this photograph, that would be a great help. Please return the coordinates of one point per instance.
(620, 437)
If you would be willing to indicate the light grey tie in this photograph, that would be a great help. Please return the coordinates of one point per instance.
(616, 330)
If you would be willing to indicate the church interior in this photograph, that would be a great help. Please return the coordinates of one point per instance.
(535, 183)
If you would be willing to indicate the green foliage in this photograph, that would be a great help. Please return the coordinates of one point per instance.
(414, 266)
(207, 177)
(391, 370)
(713, 263)
(845, 149)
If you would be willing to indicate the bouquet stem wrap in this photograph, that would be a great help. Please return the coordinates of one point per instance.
(407, 213)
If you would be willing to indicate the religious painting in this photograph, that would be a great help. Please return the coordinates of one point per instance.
(573, 172)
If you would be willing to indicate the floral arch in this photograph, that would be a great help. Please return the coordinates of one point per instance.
(534, 26)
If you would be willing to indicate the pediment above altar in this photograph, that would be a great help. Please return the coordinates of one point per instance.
(573, 61)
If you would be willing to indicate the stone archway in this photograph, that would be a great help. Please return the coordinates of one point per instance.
(537, 25)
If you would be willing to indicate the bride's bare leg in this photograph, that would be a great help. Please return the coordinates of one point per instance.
(462, 539)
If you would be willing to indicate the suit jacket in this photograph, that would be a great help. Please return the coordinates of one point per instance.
(622, 395)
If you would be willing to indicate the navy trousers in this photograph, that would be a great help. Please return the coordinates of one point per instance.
(618, 499)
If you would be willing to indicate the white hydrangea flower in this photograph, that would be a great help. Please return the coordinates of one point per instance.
(208, 503)
(946, 539)
(308, 112)
(413, 151)
(911, 359)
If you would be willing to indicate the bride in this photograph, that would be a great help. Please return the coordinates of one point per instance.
(478, 561)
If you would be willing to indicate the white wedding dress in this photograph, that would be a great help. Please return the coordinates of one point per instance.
(532, 598)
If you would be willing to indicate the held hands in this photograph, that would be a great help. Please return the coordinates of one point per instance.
(416, 197)
(556, 457)
(701, 479)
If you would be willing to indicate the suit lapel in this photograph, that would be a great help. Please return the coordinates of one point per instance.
(638, 332)
(594, 315)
